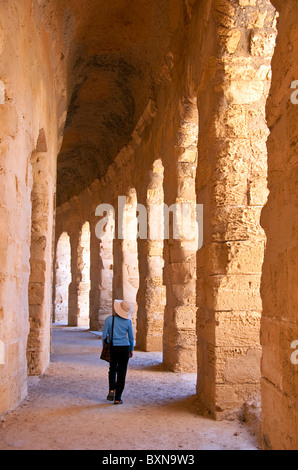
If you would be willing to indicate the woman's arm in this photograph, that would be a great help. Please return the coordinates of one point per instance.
(131, 338)
(105, 330)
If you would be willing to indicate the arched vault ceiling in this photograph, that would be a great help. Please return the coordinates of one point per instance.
(114, 52)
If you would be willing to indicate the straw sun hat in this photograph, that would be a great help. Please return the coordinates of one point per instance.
(123, 308)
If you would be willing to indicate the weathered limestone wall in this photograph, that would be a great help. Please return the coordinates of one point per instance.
(279, 219)
(30, 103)
(231, 184)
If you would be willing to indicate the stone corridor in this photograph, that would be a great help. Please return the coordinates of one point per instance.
(66, 409)
(148, 152)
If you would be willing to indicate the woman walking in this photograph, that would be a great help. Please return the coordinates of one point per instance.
(118, 330)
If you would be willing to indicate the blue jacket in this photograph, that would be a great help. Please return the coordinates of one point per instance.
(122, 334)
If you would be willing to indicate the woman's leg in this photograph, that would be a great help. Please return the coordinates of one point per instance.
(122, 361)
(113, 370)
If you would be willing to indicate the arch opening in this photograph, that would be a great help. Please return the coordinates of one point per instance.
(62, 280)
(84, 276)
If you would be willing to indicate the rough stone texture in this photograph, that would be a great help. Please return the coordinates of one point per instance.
(115, 59)
(33, 89)
(252, 418)
(40, 288)
(151, 294)
(180, 254)
(279, 219)
(231, 184)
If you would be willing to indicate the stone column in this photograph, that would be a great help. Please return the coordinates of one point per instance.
(79, 287)
(151, 295)
(94, 279)
(106, 280)
(102, 239)
(179, 344)
(231, 184)
(118, 253)
(125, 266)
(75, 280)
(62, 279)
(41, 261)
(84, 267)
(279, 329)
(130, 269)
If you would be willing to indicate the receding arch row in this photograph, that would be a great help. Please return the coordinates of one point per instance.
(206, 306)
(224, 68)
(121, 264)
(212, 148)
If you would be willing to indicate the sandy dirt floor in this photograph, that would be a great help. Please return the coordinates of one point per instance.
(66, 409)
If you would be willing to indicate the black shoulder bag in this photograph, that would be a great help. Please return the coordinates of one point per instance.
(106, 350)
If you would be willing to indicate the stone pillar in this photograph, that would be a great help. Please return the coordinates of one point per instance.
(151, 295)
(179, 343)
(62, 279)
(94, 279)
(106, 279)
(125, 254)
(231, 184)
(41, 262)
(79, 287)
(102, 238)
(118, 253)
(279, 329)
(75, 280)
(118, 269)
(130, 252)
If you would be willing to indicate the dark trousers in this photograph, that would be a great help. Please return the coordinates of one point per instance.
(118, 369)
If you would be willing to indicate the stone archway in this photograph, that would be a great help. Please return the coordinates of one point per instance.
(40, 283)
(148, 58)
